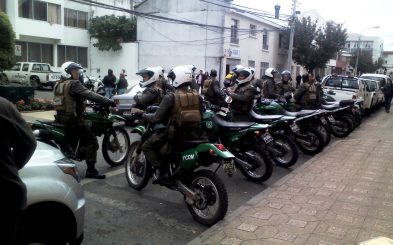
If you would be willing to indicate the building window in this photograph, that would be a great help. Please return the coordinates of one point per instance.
(265, 41)
(2, 6)
(75, 18)
(264, 66)
(67, 53)
(39, 10)
(251, 63)
(234, 29)
(253, 30)
(35, 52)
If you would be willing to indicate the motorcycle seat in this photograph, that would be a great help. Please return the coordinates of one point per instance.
(231, 126)
(347, 103)
(331, 106)
(53, 123)
(264, 118)
(301, 113)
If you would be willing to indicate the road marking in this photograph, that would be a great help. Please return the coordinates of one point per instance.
(108, 175)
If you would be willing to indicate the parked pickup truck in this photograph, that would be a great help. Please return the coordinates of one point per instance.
(39, 74)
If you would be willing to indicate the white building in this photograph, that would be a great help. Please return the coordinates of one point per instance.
(372, 44)
(223, 39)
(55, 31)
(388, 60)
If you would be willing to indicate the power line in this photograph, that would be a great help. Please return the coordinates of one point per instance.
(161, 18)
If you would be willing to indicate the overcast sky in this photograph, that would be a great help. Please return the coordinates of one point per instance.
(354, 14)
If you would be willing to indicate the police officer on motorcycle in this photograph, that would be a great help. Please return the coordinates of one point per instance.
(309, 94)
(181, 111)
(162, 82)
(269, 85)
(153, 92)
(242, 96)
(69, 103)
(213, 92)
(285, 88)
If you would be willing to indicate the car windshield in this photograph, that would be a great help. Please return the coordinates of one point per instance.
(380, 79)
(351, 83)
(372, 85)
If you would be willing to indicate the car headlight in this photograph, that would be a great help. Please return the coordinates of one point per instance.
(68, 167)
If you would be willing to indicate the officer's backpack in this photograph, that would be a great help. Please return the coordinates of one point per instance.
(186, 113)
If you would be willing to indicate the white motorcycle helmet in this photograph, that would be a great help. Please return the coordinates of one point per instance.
(246, 73)
(237, 69)
(151, 73)
(270, 72)
(180, 75)
(252, 69)
(160, 71)
(67, 67)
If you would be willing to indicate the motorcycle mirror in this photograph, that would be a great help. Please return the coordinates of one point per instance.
(228, 99)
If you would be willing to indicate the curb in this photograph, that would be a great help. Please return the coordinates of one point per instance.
(256, 199)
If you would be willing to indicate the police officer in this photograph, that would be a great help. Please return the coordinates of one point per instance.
(213, 93)
(69, 103)
(242, 96)
(285, 88)
(309, 94)
(256, 82)
(269, 85)
(153, 93)
(194, 84)
(181, 111)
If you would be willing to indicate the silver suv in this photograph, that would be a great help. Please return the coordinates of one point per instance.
(56, 204)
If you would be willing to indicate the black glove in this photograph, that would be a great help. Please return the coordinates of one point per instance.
(288, 96)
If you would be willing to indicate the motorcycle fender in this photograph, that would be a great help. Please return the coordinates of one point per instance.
(115, 118)
(208, 146)
(138, 130)
(188, 158)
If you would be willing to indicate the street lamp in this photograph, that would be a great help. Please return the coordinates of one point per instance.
(357, 56)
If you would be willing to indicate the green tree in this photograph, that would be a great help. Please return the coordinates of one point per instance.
(365, 62)
(7, 43)
(110, 31)
(313, 47)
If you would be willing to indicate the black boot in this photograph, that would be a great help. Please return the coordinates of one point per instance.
(163, 176)
(92, 172)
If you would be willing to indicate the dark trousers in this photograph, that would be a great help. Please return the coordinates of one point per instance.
(11, 231)
(388, 101)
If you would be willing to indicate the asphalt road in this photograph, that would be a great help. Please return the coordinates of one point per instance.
(118, 214)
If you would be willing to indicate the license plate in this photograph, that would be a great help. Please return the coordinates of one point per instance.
(323, 120)
(331, 119)
(267, 138)
(54, 77)
(294, 127)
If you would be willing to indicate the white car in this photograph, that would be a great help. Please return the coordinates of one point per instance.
(348, 87)
(125, 101)
(375, 87)
(55, 200)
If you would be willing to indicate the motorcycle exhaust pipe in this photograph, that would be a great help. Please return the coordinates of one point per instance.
(242, 163)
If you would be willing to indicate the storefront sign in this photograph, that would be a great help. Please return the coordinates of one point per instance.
(232, 52)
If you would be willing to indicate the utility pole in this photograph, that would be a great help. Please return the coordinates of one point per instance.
(207, 12)
(292, 23)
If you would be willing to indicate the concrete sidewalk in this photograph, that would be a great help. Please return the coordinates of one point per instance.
(38, 115)
(344, 195)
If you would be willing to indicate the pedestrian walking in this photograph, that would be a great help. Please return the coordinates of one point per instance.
(298, 80)
(387, 90)
(200, 78)
(122, 84)
(109, 84)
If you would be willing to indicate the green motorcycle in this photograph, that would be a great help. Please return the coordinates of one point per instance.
(244, 141)
(203, 191)
(115, 144)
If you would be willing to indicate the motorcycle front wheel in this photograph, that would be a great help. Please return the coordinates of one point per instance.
(261, 165)
(137, 169)
(211, 202)
(285, 152)
(115, 146)
(310, 142)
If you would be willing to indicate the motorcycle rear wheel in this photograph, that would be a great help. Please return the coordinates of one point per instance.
(212, 197)
(115, 151)
(137, 172)
(256, 156)
(314, 143)
(285, 144)
(325, 132)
